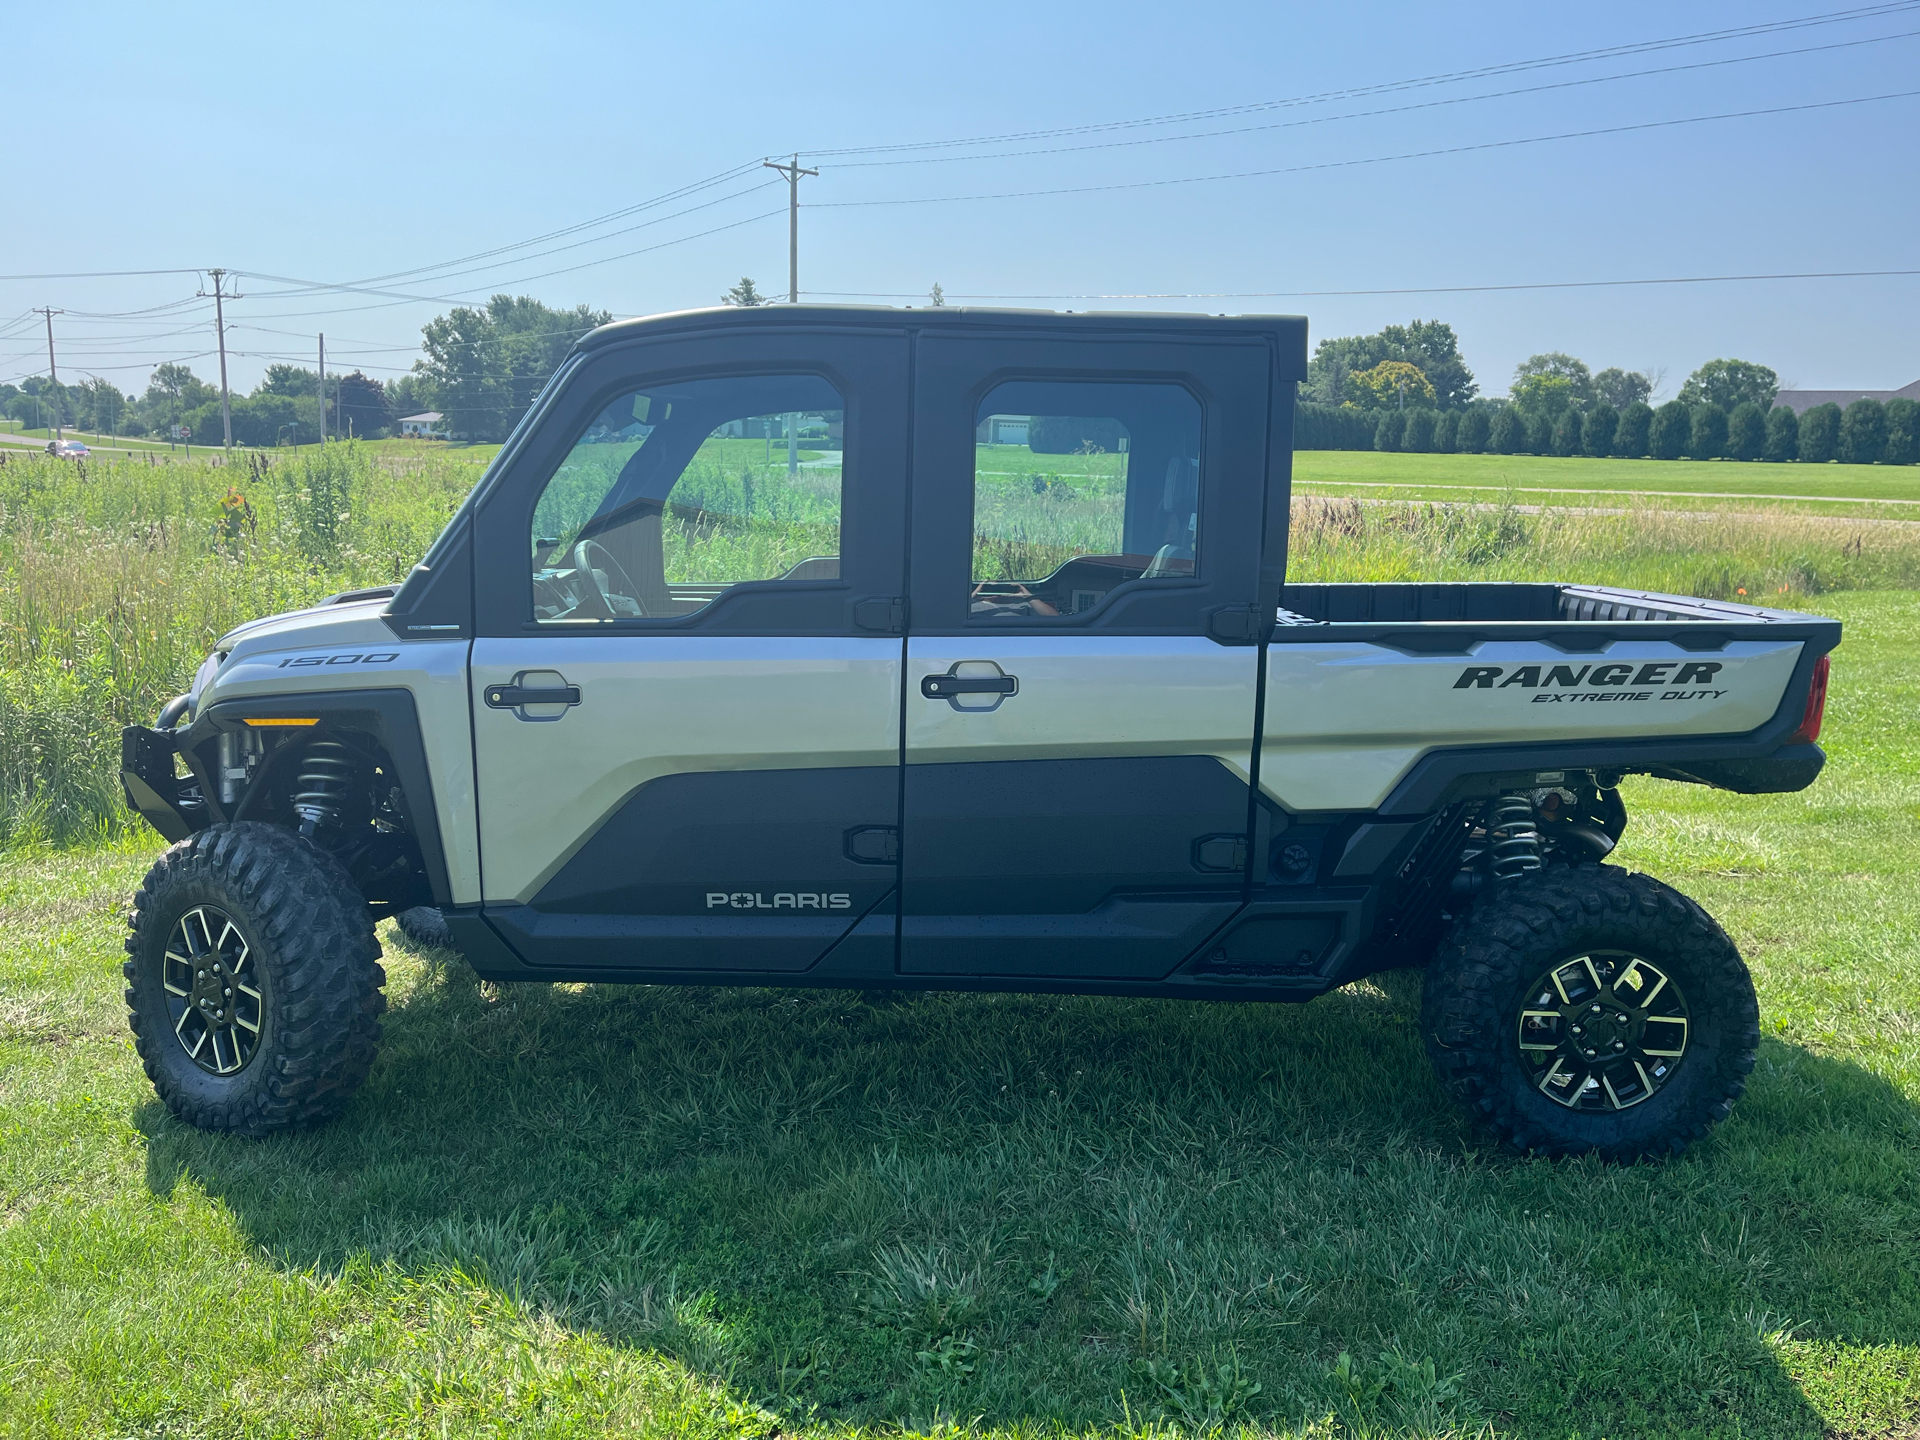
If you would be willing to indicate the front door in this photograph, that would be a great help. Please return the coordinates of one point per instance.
(685, 695)
(1079, 724)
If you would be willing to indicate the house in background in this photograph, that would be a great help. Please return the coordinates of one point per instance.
(421, 426)
(1801, 401)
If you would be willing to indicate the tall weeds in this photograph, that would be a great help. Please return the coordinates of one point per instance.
(116, 578)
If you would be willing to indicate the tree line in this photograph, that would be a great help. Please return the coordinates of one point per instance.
(482, 367)
(1407, 390)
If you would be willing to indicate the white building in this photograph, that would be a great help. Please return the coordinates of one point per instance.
(421, 426)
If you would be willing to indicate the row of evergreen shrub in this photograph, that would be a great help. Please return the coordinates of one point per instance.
(1866, 433)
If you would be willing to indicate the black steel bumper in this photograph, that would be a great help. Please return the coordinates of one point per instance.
(146, 775)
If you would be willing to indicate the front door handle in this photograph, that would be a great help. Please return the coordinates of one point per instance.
(534, 695)
(971, 685)
(512, 697)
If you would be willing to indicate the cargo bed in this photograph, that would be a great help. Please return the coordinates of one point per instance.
(1398, 697)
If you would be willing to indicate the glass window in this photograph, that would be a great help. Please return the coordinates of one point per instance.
(1079, 487)
(679, 491)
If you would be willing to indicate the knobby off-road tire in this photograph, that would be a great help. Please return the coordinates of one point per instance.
(1497, 1024)
(426, 927)
(261, 929)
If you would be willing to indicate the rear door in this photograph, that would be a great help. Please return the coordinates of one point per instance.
(1080, 690)
(685, 692)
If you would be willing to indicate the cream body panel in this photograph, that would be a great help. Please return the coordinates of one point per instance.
(1345, 721)
(654, 705)
(1086, 696)
(321, 652)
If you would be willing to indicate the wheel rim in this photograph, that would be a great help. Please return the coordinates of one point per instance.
(214, 991)
(1602, 1031)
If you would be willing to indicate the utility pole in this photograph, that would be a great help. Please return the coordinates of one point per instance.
(793, 172)
(323, 388)
(220, 329)
(53, 373)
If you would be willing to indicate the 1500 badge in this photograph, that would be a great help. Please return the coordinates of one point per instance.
(378, 657)
(1616, 680)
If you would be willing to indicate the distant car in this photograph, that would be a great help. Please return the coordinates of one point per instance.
(68, 449)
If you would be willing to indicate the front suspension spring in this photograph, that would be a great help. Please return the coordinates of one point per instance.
(325, 777)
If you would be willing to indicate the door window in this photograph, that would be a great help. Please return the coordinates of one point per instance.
(1080, 487)
(678, 492)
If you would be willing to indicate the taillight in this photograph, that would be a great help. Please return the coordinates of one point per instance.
(1816, 710)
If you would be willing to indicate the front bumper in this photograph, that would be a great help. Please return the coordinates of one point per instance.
(174, 807)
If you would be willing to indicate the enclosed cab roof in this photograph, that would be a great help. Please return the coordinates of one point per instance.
(1287, 333)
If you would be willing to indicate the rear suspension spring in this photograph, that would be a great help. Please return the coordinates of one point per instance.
(1513, 839)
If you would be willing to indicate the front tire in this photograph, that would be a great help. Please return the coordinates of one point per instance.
(253, 980)
(1588, 1010)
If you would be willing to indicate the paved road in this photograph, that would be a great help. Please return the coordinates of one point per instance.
(27, 442)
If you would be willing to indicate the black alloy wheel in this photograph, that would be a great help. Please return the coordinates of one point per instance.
(1602, 1031)
(215, 992)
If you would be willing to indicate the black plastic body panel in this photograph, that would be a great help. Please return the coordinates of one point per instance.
(388, 716)
(726, 870)
(436, 602)
(1068, 867)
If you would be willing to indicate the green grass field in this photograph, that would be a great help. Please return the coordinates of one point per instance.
(1537, 478)
(579, 1210)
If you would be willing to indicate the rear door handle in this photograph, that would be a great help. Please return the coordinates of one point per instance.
(976, 685)
(939, 687)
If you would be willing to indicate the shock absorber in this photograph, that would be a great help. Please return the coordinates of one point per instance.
(322, 784)
(1513, 839)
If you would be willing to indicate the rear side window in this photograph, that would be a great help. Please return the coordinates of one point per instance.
(1079, 487)
(678, 492)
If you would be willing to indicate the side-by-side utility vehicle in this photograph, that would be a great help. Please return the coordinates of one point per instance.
(954, 649)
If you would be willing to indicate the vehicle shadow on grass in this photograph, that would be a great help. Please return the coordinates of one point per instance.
(1021, 1206)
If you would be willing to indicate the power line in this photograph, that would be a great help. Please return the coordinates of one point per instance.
(1370, 114)
(461, 297)
(1704, 37)
(97, 274)
(1399, 290)
(1369, 160)
(312, 286)
(620, 214)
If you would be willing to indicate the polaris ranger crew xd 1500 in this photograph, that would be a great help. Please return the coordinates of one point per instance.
(953, 649)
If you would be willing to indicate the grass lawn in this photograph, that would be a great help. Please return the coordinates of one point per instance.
(582, 1210)
(1368, 472)
(405, 449)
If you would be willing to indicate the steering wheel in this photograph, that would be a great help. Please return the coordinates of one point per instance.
(592, 559)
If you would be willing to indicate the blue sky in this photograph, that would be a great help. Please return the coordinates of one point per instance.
(349, 141)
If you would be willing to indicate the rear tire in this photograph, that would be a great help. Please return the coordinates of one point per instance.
(253, 980)
(1588, 1010)
(425, 927)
